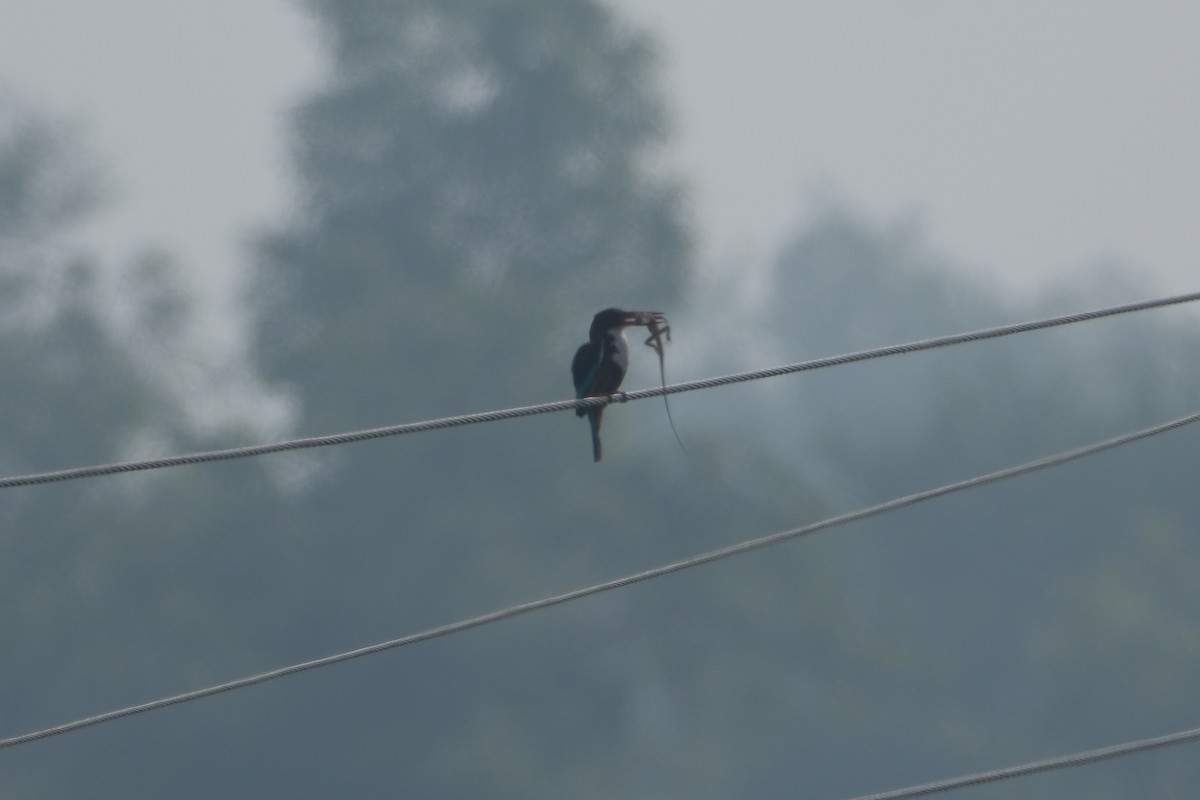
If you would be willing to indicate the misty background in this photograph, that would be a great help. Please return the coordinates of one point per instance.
(220, 226)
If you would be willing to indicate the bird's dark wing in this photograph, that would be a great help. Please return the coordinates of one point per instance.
(583, 371)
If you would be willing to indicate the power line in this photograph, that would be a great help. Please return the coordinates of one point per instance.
(656, 572)
(586, 402)
(1020, 770)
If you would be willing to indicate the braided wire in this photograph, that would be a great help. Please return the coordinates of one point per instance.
(1033, 767)
(584, 402)
(628, 580)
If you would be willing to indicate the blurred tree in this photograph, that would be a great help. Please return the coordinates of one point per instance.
(116, 588)
(1029, 618)
(56, 338)
(73, 394)
(473, 172)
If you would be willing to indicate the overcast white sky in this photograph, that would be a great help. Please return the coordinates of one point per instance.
(1031, 137)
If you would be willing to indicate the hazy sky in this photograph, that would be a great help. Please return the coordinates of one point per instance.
(1031, 138)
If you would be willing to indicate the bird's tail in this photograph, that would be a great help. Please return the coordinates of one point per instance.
(594, 417)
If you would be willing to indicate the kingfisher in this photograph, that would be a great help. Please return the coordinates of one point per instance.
(599, 366)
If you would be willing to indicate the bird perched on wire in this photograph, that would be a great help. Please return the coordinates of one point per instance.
(599, 366)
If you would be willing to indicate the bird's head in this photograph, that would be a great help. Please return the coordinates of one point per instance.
(613, 319)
